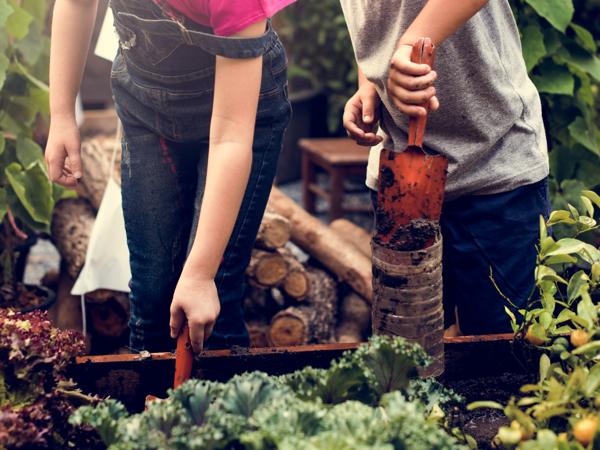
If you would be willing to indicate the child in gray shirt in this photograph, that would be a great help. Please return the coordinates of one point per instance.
(487, 122)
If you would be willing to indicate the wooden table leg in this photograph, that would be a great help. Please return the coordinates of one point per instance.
(336, 209)
(308, 177)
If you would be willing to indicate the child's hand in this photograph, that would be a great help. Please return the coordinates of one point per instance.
(197, 301)
(63, 152)
(410, 84)
(361, 115)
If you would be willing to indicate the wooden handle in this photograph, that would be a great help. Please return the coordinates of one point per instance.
(423, 52)
(184, 357)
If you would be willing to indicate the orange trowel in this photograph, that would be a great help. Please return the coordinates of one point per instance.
(184, 360)
(411, 182)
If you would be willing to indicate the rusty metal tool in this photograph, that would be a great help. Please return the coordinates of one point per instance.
(411, 182)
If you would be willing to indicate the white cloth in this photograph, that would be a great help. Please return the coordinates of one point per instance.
(107, 258)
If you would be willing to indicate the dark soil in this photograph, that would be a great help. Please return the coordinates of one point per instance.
(388, 280)
(483, 424)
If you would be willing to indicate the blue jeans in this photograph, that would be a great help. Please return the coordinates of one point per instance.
(162, 81)
(490, 235)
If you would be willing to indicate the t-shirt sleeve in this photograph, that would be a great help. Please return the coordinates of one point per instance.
(228, 17)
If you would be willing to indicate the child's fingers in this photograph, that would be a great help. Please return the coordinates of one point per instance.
(409, 110)
(74, 155)
(434, 103)
(404, 65)
(176, 321)
(197, 336)
(410, 82)
(411, 97)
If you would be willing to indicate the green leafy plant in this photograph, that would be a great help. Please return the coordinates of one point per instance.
(567, 278)
(562, 410)
(562, 58)
(36, 398)
(369, 399)
(27, 197)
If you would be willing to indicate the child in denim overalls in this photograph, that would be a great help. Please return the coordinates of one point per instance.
(203, 119)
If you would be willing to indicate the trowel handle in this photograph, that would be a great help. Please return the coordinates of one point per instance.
(423, 52)
(184, 357)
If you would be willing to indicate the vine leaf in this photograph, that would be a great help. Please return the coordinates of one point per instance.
(4, 63)
(584, 135)
(533, 46)
(554, 80)
(558, 12)
(585, 38)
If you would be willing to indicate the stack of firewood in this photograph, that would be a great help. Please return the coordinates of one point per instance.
(323, 299)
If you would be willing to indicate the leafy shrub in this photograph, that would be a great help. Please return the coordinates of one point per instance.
(562, 58)
(36, 399)
(360, 402)
(562, 410)
(27, 197)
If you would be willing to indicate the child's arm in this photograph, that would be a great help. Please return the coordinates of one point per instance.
(408, 83)
(237, 87)
(72, 25)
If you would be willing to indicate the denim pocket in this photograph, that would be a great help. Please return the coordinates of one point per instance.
(145, 39)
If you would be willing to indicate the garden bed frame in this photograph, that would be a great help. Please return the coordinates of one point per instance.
(130, 377)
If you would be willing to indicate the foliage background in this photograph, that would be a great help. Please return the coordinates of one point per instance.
(560, 46)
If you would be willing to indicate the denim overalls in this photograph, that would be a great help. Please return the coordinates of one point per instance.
(162, 81)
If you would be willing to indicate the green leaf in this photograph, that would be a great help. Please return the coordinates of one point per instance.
(33, 189)
(4, 64)
(5, 11)
(585, 38)
(533, 46)
(2, 143)
(3, 204)
(589, 207)
(581, 60)
(18, 23)
(590, 347)
(589, 194)
(577, 285)
(560, 216)
(554, 79)
(28, 152)
(558, 12)
(567, 246)
(484, 404)
(585, 135)
(544, 366)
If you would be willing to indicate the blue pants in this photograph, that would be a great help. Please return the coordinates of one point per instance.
(490, 235)
(162, 83)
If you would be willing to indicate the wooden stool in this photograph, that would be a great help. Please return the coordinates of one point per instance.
(340, 158)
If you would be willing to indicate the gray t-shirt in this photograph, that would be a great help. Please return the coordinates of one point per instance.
(489, 124)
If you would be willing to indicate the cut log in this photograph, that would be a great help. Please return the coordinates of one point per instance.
(258, 333)
(355, 319)
(325, 245)
(72, 224)
(259, 304)
(310, 322)
(274, 231)
(266, 268)
(96, 157)
(295, 283)
(66, 311)
(357, 236)
(110, 318)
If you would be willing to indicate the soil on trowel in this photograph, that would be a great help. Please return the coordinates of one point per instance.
(416, 235)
